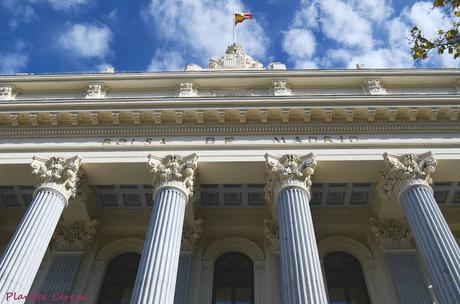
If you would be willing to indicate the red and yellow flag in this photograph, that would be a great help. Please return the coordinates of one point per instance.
(240, 17)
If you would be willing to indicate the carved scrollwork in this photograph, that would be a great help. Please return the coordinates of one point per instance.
(187, 89)
(191, 234)
(57, 173)
(391, 234)
(271, 231)
(288, 171)
(74, 236)
(281, 88)
(174, 171)
(7, 92)
(96, 90)
(402, 171)
(374, 87)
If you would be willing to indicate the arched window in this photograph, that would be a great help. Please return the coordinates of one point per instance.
(345, 281)
(119, 279)
(233, 279)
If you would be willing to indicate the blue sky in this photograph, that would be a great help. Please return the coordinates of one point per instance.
(52, 36)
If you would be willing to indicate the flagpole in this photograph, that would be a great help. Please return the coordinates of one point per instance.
(234, 38)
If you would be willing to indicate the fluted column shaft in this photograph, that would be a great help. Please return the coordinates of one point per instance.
(435, 241)
(156, 278)
(301, 269)
(27, 248)
(183, 278)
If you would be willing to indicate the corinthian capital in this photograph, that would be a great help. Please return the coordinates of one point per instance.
(174, 171)
(403, 171)
(191, 234)
(74, 236)
(57, 173)
(288, 171)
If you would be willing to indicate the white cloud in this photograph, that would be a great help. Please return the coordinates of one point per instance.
(23, 11)
(86, 40)
(341, 23)
(426, 18)
(300, 44)
(369, 32)
(67, 4)
(11, 63)
(203, 28)
(164, 60)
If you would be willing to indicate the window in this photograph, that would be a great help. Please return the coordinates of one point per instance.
(233, 279)
(119, 279)
(345, 281)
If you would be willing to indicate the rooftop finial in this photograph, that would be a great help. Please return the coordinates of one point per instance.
(235, 58)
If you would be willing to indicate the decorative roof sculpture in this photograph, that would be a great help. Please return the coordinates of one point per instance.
(235, 58)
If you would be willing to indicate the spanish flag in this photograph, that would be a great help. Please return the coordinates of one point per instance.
(240, 17)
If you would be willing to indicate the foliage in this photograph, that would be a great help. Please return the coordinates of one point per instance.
(447, 40)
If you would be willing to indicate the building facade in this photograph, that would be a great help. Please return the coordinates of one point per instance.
(231, 184)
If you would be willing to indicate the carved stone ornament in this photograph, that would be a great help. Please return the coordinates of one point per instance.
(374, 87)
(57, 173)
(280, 88)
(8, 92)
(235, 58)
(174, 171)
(74, 236)
(186, 89)
(271, 231)
(403, 171)
(96, 90)
(288, 171)
(392, 234)
(191, 234)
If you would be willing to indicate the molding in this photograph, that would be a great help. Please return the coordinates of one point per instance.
(174, 171)
(392, 234)
(233, 244)
(288, 171)
(57, 173)
(232, 129)
(74, 236)
(401, 172)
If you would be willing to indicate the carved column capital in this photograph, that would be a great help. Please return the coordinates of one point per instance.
(174, 171)
(57, 173)
(401, 172)
(271, 231)
(392, 234)
(191, 234)
(288, 171)
(74, 236)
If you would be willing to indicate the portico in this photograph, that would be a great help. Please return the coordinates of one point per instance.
(231, 185)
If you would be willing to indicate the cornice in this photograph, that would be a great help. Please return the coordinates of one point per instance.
(231, 73)
(230, 129)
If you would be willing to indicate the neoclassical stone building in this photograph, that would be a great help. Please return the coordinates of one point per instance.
(231, 184)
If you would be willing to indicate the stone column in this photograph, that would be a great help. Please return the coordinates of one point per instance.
(408, 177)
(288, 186)
(58, 182)
(173, 179)
(397, 243)
(191, 234)
(68, 245)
